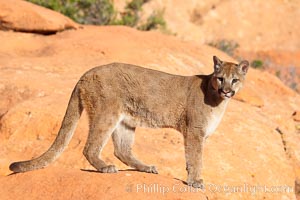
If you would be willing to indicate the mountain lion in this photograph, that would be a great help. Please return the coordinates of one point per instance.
(119, 97)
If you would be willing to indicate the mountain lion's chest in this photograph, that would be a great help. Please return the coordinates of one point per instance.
(213, 120)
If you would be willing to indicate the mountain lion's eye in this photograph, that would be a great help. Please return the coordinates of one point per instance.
(221, 79)
(235, 80)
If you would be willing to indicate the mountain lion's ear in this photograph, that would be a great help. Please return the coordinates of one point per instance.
(217, 64)
(243, 67)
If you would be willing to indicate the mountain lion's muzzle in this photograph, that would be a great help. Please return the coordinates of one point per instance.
(226, 93)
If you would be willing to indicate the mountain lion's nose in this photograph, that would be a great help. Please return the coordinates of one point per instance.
(226, 91)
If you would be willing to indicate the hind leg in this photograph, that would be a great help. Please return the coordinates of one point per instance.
(123, 139)
(100, 130)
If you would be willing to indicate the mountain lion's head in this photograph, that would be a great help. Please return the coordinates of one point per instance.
(228, 77)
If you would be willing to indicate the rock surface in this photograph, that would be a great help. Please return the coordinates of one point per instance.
(255, 25)
(254, 147)
(19, 15)
(55, 183)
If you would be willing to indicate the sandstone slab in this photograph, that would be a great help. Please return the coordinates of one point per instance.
(19, 15)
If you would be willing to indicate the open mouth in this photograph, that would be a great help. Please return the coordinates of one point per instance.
(225, 95)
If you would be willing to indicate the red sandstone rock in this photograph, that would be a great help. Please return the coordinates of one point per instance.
(56, 183)
(19, 15)
(296, 116)
(38, 74)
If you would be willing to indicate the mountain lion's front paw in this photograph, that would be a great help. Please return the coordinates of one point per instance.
(196, 183)
(149, 169)
(109, 169)
(152, 169)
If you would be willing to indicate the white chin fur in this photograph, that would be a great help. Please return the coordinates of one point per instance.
(225, 96)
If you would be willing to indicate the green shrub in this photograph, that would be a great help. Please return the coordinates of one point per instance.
(257, 64)
(127, 19)
(155, 21)
(278, 73)
(227, 46)
(136, 5)
(102, 12)
(97, 12)
(130, 16)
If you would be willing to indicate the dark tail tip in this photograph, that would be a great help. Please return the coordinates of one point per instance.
(14, 167)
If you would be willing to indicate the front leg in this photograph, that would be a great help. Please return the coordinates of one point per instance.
(193, 142)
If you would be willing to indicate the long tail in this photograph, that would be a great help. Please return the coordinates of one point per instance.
(63, 138)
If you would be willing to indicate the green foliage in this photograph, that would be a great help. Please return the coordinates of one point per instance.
(292, 80)
(257, 64)
(155, 21)
(102, 12)
(136, 5)
(227, 46)
(130, 16)
(97, 12)
(127, 19)
(278, 73)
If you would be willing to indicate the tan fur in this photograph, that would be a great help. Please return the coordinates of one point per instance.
(119, 97)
